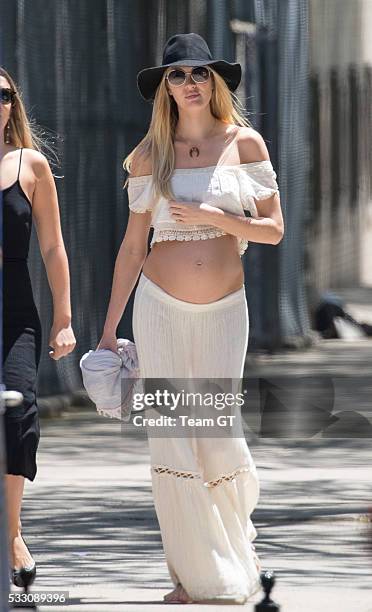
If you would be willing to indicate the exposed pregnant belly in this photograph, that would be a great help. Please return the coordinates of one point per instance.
(198, 271)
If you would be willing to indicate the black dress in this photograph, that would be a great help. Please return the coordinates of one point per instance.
(21, 333)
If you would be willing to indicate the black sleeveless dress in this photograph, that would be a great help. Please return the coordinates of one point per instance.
(21, 333)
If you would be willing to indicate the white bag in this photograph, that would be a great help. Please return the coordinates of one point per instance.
(111, 379)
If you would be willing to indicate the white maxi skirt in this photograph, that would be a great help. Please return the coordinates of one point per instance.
(204, 488)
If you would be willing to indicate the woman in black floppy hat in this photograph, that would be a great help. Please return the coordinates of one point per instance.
(199, 167)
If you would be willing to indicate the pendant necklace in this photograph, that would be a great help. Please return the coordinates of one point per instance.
(194, 151)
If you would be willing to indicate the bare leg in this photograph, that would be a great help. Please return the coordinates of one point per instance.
(19, 554)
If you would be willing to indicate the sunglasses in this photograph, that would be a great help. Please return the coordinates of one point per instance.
(177, 77)
(7, 95)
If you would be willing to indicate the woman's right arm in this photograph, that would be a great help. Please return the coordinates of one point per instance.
(128, 265)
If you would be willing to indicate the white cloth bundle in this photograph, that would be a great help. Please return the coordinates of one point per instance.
(111, 379)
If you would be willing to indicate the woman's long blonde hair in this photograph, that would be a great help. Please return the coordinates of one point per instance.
(157, 144)
(23, 132)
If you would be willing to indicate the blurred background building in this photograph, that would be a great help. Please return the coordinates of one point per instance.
(307, 87)
(339, 236)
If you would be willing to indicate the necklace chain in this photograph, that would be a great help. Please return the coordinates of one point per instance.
(194, 151)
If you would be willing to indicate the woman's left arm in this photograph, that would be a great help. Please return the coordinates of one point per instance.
(48, 226)
(267, 228)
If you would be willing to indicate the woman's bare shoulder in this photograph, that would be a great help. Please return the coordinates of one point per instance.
(37, 161)
(141, 165)
(251, 145)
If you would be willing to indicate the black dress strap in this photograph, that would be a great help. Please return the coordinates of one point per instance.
(19, 168)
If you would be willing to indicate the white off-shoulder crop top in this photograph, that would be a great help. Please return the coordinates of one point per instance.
(230, 188)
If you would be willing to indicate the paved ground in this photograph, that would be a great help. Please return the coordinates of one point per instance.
(90, 521)
(95, 534)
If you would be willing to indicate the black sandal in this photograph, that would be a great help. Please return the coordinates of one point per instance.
(24, 576)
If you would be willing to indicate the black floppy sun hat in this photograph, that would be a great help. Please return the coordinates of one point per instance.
(186, 50)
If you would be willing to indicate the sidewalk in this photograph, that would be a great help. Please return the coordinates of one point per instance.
(90, 521)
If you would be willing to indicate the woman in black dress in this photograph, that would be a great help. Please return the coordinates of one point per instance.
(28, 193)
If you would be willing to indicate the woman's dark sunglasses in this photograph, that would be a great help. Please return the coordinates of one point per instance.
(177, 76)
(7, 95)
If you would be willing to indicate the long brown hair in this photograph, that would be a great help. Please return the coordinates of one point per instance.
(157, 144)
(23, 132)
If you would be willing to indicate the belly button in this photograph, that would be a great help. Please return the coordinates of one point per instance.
(199, 263)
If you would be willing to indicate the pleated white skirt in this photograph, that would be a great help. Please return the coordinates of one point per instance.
(204, 488)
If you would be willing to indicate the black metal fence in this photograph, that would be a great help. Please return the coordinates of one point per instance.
(76, 63)
(337, 234)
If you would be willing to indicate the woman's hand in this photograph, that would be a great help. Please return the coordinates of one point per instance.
(62, 340)
(108, 341)
(193, 213)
